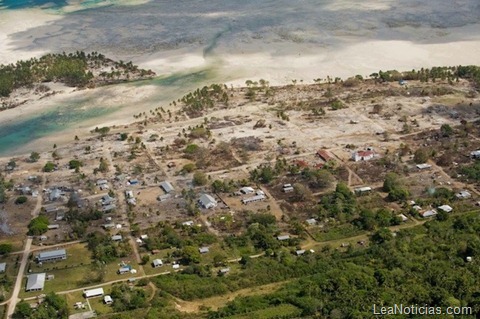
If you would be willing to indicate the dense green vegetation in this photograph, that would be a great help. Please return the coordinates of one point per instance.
(126, 298)
(470, 72)
(73, 69)
(166, 236)
(53, 306)
(38, 225)
(104, 249)
(425, 264)
(5, 185)
(201, 99)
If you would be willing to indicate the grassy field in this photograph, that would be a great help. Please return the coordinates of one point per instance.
(65, 279)
(338, 232)
(285, 311)
(98, 305)
(77, 255)
(8, 278)
(73, 298)
(17, 242)
(112, 268)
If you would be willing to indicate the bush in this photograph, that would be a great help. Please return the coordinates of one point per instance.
(38, 225)
(21, 200)
(75, 164)
(199, 179)
(49, 167)
(5, 248)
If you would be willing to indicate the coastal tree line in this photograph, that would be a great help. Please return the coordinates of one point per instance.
(74, 69)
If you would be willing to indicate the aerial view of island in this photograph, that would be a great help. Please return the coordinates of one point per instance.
(239, 159)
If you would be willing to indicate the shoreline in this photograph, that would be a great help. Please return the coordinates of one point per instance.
(231, 56)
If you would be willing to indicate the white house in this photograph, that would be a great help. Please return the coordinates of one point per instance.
(157, 263)
(188, 223)
(423, 166)
(93, 292)
(363, 155)
(360, 190)
(203, 250)
(475, 154)
(429, 213)
(247, 190)
(107, 300)
(445, 208)
(463, 195)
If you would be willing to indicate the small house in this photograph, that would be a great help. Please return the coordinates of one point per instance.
(167, 187)
(423, 166)
(124, 270)
(287, 189)
(157, 263)
(429, 213)
(3, 266)
(133, 181)
(53, 226)
(107, 200)
(207, 201)
(311, 221)
(283, 237)
(203, 250)
(107, 300)
(50, 209)
(463, 194)
(188, 223)
(164, 197)
(324, 155)
(475, 154)
(300, 252)
(55, 194)
(247, 190)
(108, 208)
(362, 190)
(101, 182)
(224, 271)
(445, 208)
(176, 266)
(363, 155)
(128, 194)
(403, 217)
(117, 237)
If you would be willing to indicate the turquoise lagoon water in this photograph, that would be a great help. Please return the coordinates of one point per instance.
(58, 119)
(53, 121)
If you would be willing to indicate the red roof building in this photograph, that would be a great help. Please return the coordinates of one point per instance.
(323, 154)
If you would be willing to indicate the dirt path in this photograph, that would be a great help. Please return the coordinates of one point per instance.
(12, 302)
(48, 247)
(137, 255)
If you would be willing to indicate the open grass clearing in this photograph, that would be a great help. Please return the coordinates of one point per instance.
(216, 302)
